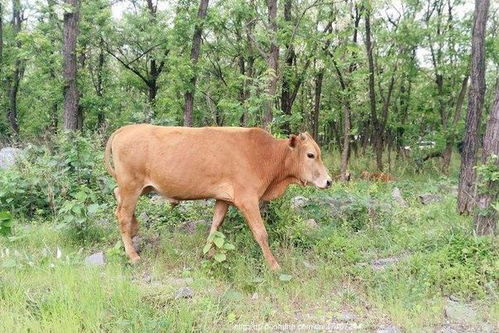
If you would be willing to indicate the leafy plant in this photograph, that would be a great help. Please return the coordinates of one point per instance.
(5, 223)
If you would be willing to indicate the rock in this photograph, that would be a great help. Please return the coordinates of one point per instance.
(380, 264)
(397, 196)
(308, 265)
(312, 224)
(180, 282)
(451, 189)
(254, 296)
(459, 312)
(192, 226)
(8, 157)
(429, 198)
(299, 202)
(137, 243)
(146, 277)
(143, 218)
(184, 292)
(157, 199)
(388, 329)
(346, 316)
(96, 259)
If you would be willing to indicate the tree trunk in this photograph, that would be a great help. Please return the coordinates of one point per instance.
(317, 104)
(14, 78)
(195, 50)
(272, 63)
(377, 133)
(71, 94)
(466, 193)
(486, 216)
(447, 154)
(286, 104)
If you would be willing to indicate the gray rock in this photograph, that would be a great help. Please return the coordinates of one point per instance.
(192, 226)
(308, 265)
(429, 198)
(184, 292)
(312, 224)
(388, 329)
(299, 202)
(157, 199)
(459, 312)
(143, 218)
(255, 296)
(383, 263)
(138, 243)
(8, 157)
(96, 259)
(147, 278)
(346, 316)
(397, 196)
(180, 282)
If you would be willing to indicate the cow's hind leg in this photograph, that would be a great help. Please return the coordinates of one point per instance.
(221, 208)
(251, 212)
(127, 199)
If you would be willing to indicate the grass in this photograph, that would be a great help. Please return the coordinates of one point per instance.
(45, 285)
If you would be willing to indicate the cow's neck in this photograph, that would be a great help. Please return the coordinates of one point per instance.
(283, 173)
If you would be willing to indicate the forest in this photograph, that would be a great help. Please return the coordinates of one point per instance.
(402, 97)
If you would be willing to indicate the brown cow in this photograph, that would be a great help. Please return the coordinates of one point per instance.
(235, 166)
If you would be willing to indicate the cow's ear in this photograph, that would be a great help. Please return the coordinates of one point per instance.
(303, 136)
(293, 141)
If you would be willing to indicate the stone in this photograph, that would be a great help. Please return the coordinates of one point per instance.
(184, 292)
(96, 259)
(255, 296)
(180, 282)
(137, 243)
(429, 198)
(8, 157)
(397, 196)
(192, 226)
(459, 312)
(312, 224)
(381, 264)
(143, 218)
(388, 329)
(157, 199)
(308, 265)
(346, 316)
(299, 202)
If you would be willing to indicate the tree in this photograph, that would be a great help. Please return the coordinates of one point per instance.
(15, 76)
(466, 192)
(72, 113)
(486, 216)
(195, 50)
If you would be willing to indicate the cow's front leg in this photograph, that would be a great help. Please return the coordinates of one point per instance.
(251, 212)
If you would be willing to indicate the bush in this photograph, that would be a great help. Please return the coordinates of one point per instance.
(46, 177)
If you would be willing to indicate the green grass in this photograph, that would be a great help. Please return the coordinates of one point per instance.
(41, 291)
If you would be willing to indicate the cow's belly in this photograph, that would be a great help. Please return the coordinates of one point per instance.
(177, 189)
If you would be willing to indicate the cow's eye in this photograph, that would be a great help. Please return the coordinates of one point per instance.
(310, 155)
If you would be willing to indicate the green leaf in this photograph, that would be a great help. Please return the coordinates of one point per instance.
(219, 242)
(93, 208)
(220, 257)
(229, 247)
(206, 248)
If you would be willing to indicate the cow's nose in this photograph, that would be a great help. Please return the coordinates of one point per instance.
(328, 183)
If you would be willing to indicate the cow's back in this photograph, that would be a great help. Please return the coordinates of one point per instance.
(190, 163)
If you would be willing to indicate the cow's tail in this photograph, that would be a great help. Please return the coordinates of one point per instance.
(107, 155)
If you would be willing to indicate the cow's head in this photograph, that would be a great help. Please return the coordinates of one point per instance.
(308, 163)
